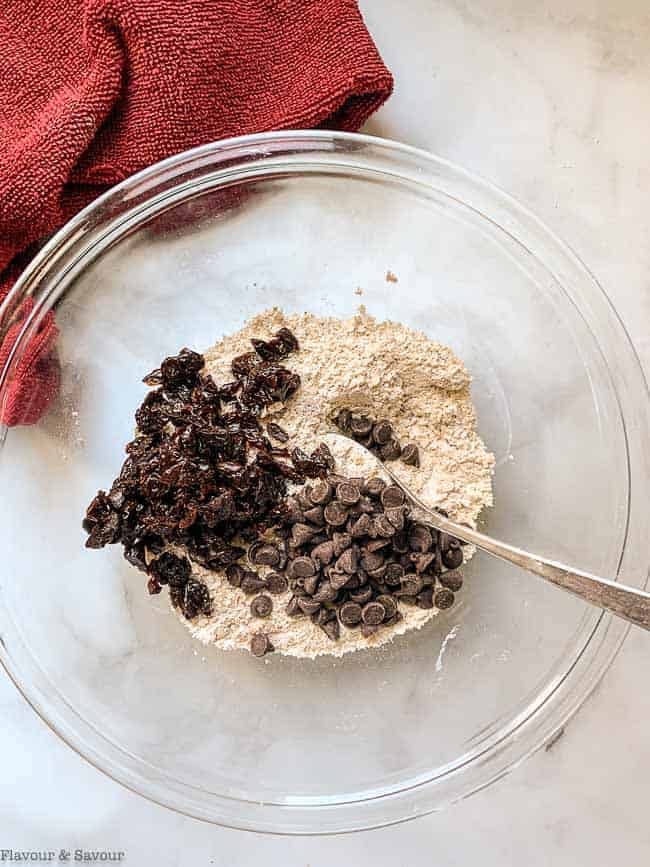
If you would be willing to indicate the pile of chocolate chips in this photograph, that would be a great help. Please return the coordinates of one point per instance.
(349, 551)
(377, 436)
(201, 469)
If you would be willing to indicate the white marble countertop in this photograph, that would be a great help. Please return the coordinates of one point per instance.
(551, 101)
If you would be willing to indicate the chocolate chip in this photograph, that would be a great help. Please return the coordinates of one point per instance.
(302, 533)
(350, 614)
(348, 493)
(325, 593)
(319, 538)
(360, 527)
(265, 555)
(315, 516)
(311, 583)
(334, 479)
(377, 545)
(392, 496)
(323, 554)
(335, 514)
(391, 451)
(371, 561)
(444, 541)
(332, 629)
(348, 561)
(321, 616)
(452, 580)
(374, 486)
(308, 606)
(393, 574)
(368, 629)
(302, 567)
(276, 432)
(261, 644)
(366, 442)
(341, 541)
(234, 574)
(304, 497)
(382, 432)
(262, 606)
(390, 606)
(444, 598)
(452, 558)
(423, 561)
(411, 455)
(363, 595)
(360, 425)
(276, 583)
(321, 493)
(251, 582)
(293, 607)
(396, 516)
(400, 542)
(384, 527)
(411, 585)
(373, 613)
(391, 621)
(425, 598)
(343, 419)
(338, 580)
(420, 538)
(406, 599)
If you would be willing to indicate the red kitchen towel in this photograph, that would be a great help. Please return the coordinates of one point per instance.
(94, 90)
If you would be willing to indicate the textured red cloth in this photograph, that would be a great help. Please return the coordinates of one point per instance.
(94, 90)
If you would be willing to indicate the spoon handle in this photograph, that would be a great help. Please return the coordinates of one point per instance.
(626, 602)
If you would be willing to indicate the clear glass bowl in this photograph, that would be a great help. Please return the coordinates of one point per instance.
(180, 255)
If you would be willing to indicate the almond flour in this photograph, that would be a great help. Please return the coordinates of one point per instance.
(388, 371)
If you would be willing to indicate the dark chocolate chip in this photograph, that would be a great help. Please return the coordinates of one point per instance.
(335, 514)
(396, 517)
(261, 644)
(452, 580)
(371, 561)
(348, 493)
(411, 585)
(444, 598)
(360, 425)
(391, 451)
(276, 583)
(452, 557)
(363, 595)
(265, 555)
(374, 486)
(377, 545)
(393, 574)
(392, 496)
(332, 629)
(325, 593)
(350, 614)
(348, 561)
(339, 579)
(302, 567)
(251, 582)
(373, 613)
(382, 432)
(341, 542)
(315, 516)
(423, 561)
(420, 538)
(308, 606)
(302, 533)
(389, 604)
(262, 606)
(384, 527)
(368, 629)
(323, 553)
(360, 527)
(411, 455)
(321, 493)
(343, 419)
(425, 598)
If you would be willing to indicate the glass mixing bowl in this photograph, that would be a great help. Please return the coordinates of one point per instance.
(178, 256)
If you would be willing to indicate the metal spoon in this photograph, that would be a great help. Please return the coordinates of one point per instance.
(626, 602)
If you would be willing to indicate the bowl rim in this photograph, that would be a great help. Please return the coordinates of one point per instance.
(324, 816)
